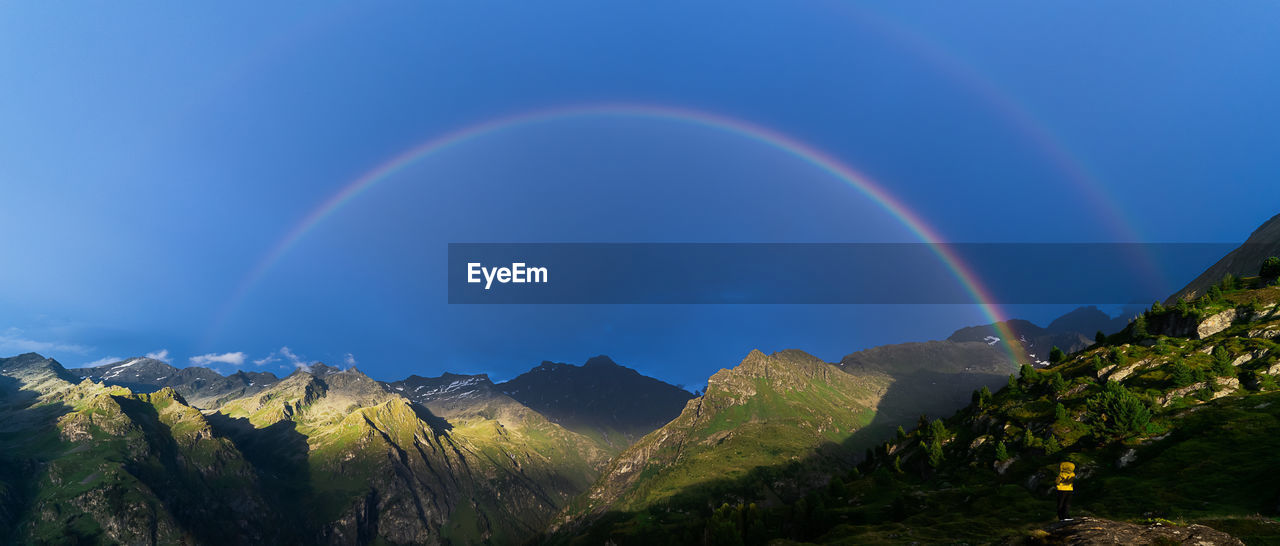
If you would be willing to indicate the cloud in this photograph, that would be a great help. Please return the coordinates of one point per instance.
(102, 362)
(161, 355)
(284, 354)
(234, 359)
(349, 360)
(13, 341)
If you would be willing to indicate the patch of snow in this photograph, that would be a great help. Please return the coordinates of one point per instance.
(115, 370)
(991, 340)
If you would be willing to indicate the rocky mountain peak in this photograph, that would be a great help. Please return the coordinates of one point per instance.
(784, 369)
(600, 361)
(35, 368)
(320, 369)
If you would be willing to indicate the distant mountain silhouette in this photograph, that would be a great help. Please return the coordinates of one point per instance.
(600, 399)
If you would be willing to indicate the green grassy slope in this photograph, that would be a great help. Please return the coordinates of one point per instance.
(333, 458)
(1177, 429)
(86, 463)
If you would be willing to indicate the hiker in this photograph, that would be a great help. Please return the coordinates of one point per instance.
(1066, 475)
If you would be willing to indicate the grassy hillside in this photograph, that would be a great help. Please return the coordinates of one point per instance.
(85, 463)
(768, 430)
(331, 458)
(1175, 429)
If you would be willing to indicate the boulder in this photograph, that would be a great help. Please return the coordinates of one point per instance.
(1094, 531)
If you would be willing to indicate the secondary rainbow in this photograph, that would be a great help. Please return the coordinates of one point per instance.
(764, 135)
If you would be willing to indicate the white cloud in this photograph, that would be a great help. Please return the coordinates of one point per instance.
(234, 359)
(161, 355)
(349, 360)
(284, 354)
(102, 362)
(13, 341)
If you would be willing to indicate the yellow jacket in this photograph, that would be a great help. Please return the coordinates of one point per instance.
(1066, 475)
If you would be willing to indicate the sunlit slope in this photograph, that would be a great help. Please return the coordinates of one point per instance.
(381, 465)
(84, 463)
(1175, 420)
(325, 457)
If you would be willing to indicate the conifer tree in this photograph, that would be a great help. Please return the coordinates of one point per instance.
(1057, 383)
(1222, 363)
(1180, 374)
(935, 453)
(1056, 355)
(1140, 327)
(937, 430)
(1051, 445)
(1270, 268)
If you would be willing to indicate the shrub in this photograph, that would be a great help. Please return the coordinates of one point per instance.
(1115, 355)
(1229, 282)
(1051, 445)
(1162, 347)
(1057, 384)
(1027, 373)
(1270, 268)
(1056, 355)
(1184, 309)
(1118, 412)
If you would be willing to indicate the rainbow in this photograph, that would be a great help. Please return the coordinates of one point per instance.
(769, 137)
(1017, 116)
(1014, 113)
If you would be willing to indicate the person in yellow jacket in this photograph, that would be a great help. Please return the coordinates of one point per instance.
(1066, 476)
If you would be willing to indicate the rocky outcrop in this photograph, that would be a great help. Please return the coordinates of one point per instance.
(1191, 326)
(1095, 531)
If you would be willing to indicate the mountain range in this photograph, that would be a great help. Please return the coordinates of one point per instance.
(327, 455)
(1169, 417)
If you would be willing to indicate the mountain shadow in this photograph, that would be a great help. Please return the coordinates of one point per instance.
(20, 461)
(683, 517)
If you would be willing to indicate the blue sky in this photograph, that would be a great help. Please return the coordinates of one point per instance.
(150, 156)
